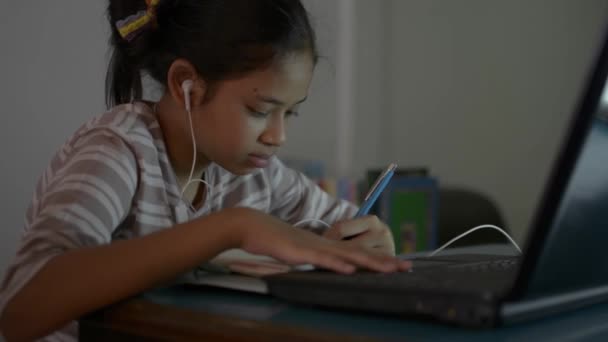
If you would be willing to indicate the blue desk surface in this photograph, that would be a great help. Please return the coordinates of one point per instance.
(588, 324)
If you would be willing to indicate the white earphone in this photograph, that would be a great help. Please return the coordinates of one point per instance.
(187, 87)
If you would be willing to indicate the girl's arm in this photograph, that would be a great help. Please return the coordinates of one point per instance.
(79, 281)
(295, 198)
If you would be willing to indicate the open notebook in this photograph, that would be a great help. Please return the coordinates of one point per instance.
(239, 270)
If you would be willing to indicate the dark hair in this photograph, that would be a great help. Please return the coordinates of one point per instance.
(223, 39)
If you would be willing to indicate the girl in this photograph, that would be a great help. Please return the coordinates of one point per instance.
(148, 191)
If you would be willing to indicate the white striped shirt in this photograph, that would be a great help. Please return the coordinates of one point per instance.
(113, 180)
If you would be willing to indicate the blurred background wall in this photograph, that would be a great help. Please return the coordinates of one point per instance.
(477, 91)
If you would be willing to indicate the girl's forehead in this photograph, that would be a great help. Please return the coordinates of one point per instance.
(288, 77)
(297, 66)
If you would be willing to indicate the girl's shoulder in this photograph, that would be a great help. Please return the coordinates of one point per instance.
(130, 122)
(127, 119)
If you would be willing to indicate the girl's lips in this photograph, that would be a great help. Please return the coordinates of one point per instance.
(259, 160)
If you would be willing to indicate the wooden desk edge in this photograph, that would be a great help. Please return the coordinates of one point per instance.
(139, 319)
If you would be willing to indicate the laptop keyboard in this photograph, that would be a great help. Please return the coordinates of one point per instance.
(488, 266)
(441, 276)
(428, 277)
(459, 286)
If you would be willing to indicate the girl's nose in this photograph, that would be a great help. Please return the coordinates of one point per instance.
(274, 134)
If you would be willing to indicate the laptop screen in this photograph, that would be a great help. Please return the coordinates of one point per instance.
(570, 252)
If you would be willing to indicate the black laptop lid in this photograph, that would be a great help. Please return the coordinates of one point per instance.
(567, 249)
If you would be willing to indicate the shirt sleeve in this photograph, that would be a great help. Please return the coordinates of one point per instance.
(80, 199)
(296, 198)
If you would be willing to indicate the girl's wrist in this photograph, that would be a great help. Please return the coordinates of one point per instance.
(236, 222)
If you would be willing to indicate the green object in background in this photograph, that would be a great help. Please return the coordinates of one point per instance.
(373, 174)
(409, 207)
(409, 220)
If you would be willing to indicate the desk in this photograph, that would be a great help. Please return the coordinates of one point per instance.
(205, 313)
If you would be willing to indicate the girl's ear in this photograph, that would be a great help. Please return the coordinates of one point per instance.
(182, 76)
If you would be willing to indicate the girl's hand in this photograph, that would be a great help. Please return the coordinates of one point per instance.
(368, 232)
(266, 235)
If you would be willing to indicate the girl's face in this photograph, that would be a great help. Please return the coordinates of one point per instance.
(243, 124)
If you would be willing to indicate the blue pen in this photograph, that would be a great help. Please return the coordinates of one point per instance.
(376, 190)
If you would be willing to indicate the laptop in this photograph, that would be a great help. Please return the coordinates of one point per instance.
(563, 266)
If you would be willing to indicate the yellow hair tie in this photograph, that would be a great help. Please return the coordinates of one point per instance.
(129, 27)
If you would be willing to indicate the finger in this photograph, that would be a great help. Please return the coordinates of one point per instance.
(400, 265)
(344, 260)
(404, 265)
(256, 270)
(358, 226)
(378, 240)
(384, 250)
(333, 233)
(366, 239)
(260, 265)
(384, 247)
(386, 242)
(368, 260)
(327, 260)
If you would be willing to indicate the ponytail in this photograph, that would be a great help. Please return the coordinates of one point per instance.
(123, 80)
(130, 42)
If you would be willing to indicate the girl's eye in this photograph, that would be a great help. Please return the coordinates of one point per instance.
(261, 114)
(257, 114)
